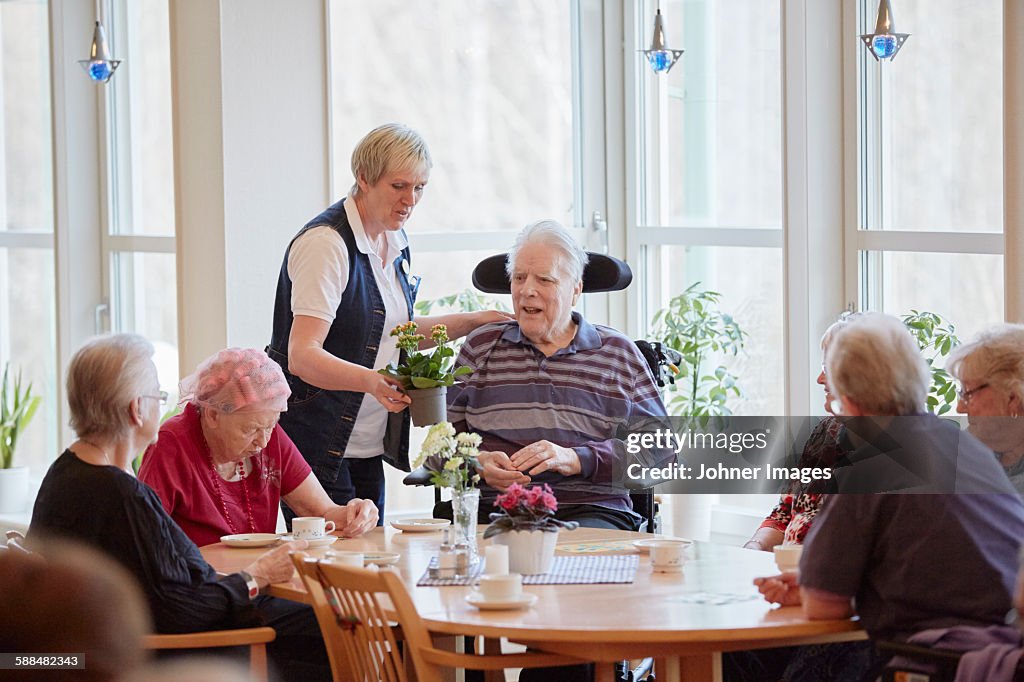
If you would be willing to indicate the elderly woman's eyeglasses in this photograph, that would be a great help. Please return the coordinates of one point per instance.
(162, 397)
(966, 396)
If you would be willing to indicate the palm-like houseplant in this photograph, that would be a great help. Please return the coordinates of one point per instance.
(17, 406)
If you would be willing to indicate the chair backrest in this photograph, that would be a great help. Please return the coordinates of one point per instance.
(359, 636)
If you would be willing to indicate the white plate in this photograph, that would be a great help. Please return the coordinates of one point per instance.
(421, 525)
(325, 541)
(250, 539)
(381, 558)
(645, 544)
(523, 601)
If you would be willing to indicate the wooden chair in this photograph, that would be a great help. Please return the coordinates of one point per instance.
(359, 633)
(254, 638)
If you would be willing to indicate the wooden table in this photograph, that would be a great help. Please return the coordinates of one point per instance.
(654, 616)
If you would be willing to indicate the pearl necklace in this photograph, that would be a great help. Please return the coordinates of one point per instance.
(220, 494)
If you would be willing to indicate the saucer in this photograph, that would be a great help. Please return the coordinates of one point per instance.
(421, 525)
(523, 601)
(325, 541)
(381, 558)
(645, 545)
(250, 539)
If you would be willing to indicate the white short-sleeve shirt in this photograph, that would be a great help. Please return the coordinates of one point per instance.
(319, 269)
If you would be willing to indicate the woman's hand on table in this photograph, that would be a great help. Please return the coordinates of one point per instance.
(276, 565)
(498, 470)
(782, 589)
(355, 518)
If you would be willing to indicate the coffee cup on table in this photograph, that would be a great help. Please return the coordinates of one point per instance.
(505, 587)
(311, 527)
(346, 558)
(787, 557)
(667, 556)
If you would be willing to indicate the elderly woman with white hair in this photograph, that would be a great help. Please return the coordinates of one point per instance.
(224, 464)
(990, 370)
(345, 283)
(89, 495)
(551, 394)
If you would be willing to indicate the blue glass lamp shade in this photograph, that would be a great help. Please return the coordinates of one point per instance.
(884, 43)
(660, 60)
(99, 65)
(884, 46)
(660, 56)
(100, 71)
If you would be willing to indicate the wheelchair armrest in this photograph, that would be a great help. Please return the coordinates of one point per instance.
(418, 477)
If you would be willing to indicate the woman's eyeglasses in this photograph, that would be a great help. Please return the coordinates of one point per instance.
(966, 396)
(162, 397)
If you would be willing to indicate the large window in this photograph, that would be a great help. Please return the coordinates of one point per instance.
(27, 306)
(491, 88)
(709, 162)
(139, 263)
(930, 162)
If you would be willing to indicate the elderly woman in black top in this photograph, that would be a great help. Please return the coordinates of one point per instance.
(89, 495)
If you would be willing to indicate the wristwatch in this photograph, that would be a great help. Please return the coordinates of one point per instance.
(250, 582)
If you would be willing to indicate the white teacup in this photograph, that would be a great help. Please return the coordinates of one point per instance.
(311, 527)
(344, 558)
(667, 556)
(787, 557)
(501, 587)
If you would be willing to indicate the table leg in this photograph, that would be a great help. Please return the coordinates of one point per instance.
(703, 667)
(492, 647)
(605, 672)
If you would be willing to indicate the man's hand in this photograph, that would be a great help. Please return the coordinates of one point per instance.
(783, 589)
(354, 519)
(544, 455)
(276, 565)
(386, 390)
(498, 471)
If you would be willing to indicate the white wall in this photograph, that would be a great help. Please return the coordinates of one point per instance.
(251, 157)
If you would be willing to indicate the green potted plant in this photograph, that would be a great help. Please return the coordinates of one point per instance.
(695, 326)
(17, 406)
(936, 337)
(425, 376)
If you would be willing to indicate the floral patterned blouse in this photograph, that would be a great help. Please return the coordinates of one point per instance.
(796, 509)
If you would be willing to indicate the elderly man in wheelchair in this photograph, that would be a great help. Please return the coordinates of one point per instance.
(552, 395)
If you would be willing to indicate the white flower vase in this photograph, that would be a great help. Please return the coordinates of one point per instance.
(530, 552)
(429, 405)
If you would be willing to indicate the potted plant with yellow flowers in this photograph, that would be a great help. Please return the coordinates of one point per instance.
(425, 376)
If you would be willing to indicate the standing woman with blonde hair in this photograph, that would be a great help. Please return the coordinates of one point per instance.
(345, 283)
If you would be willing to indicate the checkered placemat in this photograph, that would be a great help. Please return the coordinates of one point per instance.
(566, 570)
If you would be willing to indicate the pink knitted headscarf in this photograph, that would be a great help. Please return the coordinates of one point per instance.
(237, 380)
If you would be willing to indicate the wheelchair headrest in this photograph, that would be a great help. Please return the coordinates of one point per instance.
(603, 273)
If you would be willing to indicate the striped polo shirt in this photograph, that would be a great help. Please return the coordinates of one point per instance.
(584, 396)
